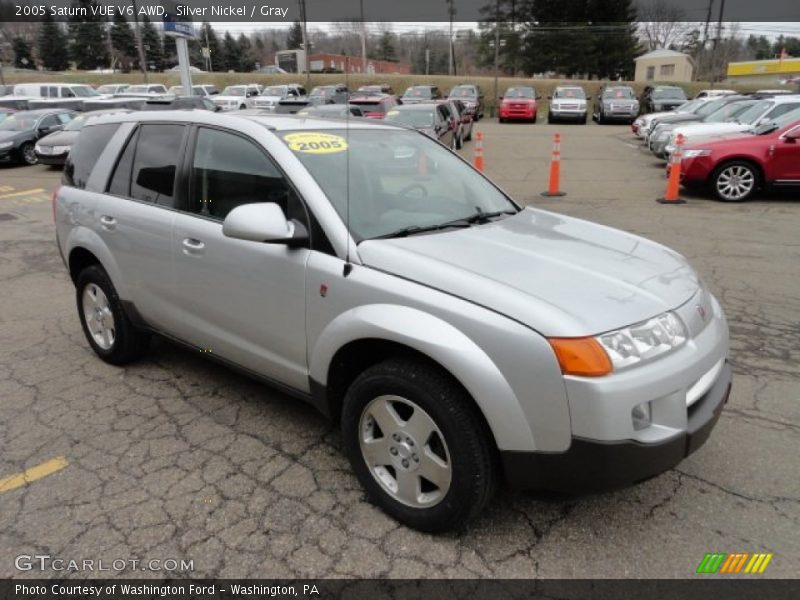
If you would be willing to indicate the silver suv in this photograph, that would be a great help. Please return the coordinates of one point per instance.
(459, 339)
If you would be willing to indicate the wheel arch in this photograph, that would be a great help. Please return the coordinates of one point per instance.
(367, 335)
(740, 158)
(84, 248)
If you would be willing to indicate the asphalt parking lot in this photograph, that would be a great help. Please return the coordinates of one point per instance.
(176, 457)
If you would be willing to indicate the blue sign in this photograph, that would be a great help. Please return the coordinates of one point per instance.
(178, 28)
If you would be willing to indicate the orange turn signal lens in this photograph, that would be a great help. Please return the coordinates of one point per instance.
(581, 356)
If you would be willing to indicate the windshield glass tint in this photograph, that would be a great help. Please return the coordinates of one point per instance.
(612, 93)
(275, 90)
(412, 118)
(707, 108)
(321, 91)
(137, 89)
(76, 123)
(463, 91)
(750, 115)
(519, 93)
(669, 94)
(397, 179)
(233, 91)
(83, 91)
(728, 112)
(569, 93)
(418, 92)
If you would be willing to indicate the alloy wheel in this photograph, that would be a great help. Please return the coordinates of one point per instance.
(735, 182)
(405, 451)
(98, 315)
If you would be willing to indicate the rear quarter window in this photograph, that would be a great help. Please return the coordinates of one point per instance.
(84, 154)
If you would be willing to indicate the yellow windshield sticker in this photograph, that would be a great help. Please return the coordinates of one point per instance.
(312, 142)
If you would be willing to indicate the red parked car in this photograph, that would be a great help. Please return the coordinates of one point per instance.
(374, 106)
(737, 167)
(518, 103)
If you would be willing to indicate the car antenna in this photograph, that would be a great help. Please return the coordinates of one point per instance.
(348, 266)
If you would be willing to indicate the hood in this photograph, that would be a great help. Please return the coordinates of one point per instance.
(648, 118)
(59, 138)
(219, 98)
(558, 275)
(265, 99)
(706, 129)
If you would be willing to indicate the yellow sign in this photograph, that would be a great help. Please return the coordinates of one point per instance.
(786, 66)
(313, 142)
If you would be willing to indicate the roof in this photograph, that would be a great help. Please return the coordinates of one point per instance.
(662, 53)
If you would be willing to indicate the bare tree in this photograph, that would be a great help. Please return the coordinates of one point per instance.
(662, 24)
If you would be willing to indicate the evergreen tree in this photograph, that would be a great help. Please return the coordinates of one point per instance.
(230, 52)
(171, 52)
(246, 62)
(52, 41)
(23, 59)
(123, 42)
(88, 46)
(295, 39)
(386, 47)
(151, 40)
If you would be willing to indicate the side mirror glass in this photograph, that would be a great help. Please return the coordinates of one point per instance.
(263, 222)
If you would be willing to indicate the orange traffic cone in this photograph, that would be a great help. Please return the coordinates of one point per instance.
(555, 169)
(479, 151)
(674, 177)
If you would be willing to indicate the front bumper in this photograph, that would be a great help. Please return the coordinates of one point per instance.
(567, 115)
(52, 159)
(594, 465)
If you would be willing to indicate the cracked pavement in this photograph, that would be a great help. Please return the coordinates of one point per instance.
(176, 457)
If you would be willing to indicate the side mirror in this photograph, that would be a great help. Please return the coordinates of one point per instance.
(263, 222)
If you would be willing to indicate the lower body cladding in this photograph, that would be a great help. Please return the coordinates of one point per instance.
(56, 160)
(615, 117)
(634, 424)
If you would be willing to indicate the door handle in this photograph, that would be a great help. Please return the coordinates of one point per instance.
(193, 245)
(108, 222)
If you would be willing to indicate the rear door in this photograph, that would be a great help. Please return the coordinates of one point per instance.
(135, 219)
(244, 301)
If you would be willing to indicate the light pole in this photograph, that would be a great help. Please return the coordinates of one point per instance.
(496, 48)
(139, 47)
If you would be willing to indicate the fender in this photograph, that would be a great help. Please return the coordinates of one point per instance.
(443, 343)
(83, 237)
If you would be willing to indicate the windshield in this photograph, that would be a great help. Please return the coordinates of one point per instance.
(728, 112)
(110, 89)
(463, 91)
(569, 93)
(691, 105)
(18, 123)
(3, 116)
(233, 90)
(76, 123)
(779, 122)
(418, 91)
(322, 91)
(669, 94)
(137, 89)
(422, 118)
(522, 92)
(752, 114)
(83, 91)
(275, 90)
(397, 179)
(611, 93)
(707, 108)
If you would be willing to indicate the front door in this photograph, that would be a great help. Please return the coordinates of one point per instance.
(244, 301)
(785, 167)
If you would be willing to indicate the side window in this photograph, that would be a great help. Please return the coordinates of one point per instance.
(64, 118)
(229, 170)
(155, 163)
(84, 154)
(781, 109)
(48, 121)
(121, 180)
(67, 93)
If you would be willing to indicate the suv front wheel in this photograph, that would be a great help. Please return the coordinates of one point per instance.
(417, 445)
(105, 324)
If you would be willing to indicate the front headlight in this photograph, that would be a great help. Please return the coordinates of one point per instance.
(60, 149)
(695, 153)
(643, 341)
(5, 145)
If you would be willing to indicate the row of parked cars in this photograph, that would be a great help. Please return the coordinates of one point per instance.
(734, 144)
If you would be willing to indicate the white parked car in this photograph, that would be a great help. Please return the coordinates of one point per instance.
(715, 93)
(271, 95)
(235, 97)
(149, 89)
(761, 112)
(641, 126)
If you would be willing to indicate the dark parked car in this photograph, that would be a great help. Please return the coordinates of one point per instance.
(19, 132)
(421, 93)
(472, 97)
(5, 113)
(615, 103)
(332, 111)
(434, 120)
(374, 107)
(329, 94)
(380, 88)
(53, 149)
(661, 97)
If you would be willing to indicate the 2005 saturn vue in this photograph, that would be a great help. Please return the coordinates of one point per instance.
(460, 340)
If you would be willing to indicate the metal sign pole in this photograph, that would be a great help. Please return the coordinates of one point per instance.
(183, 63)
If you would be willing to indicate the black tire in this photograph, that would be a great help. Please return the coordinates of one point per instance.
(549, 119)
(129, 342)
(600, 119)
(473, 457)
(459, 142)
(27, 155)
(742, 167)
(501, 120)
(469, 137)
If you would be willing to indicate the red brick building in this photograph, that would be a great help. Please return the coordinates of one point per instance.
(354, 64)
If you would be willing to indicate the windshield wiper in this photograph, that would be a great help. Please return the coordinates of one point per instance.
(479, 216)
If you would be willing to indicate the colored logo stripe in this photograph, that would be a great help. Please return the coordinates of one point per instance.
(758, 563)
(711, 562)
(721, 562)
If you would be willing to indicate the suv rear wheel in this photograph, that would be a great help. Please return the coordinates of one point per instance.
(108, 330)
(417, 445)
